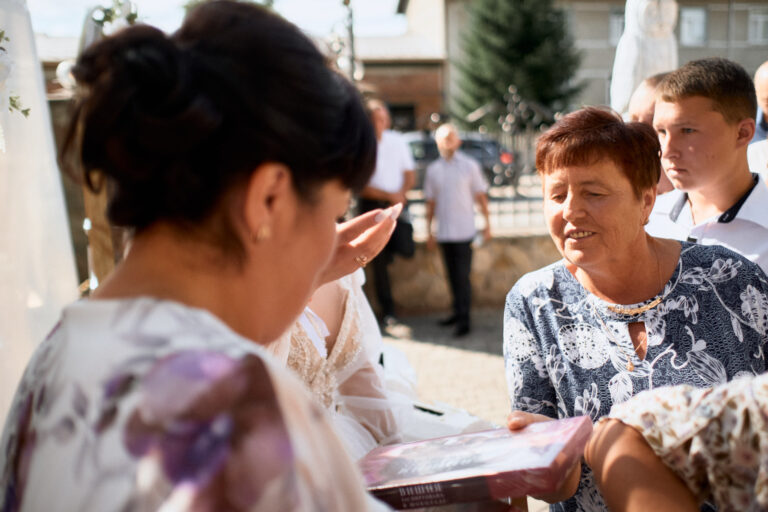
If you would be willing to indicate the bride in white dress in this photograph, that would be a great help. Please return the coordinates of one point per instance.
(336, 348)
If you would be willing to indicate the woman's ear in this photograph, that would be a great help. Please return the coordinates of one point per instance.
(648, 198)
(265, 191)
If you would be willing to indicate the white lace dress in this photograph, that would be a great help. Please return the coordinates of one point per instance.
(346, 378)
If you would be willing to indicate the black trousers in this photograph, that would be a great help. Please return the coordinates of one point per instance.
(380, 263)
(458, 263)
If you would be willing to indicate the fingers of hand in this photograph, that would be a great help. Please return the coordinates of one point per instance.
(519, 419)
(351, 229)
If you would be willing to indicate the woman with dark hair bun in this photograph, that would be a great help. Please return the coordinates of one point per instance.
(230, 150)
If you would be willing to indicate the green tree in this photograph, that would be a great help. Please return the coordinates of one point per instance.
(523, 43)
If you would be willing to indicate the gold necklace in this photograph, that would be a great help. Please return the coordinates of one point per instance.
(623, 310)
(630, 365)
(626, 311)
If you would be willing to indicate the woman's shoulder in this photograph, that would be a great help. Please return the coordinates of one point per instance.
(719, 260)
(541, 281)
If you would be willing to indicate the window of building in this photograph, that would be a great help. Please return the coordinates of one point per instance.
(403, 116)
(693, 26)
(757, 31)
(616, 26)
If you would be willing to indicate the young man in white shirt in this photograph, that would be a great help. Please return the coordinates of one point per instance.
(705, 119)
(452, 185)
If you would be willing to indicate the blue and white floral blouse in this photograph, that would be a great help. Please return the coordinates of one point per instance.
(142, 405)
(566, 354)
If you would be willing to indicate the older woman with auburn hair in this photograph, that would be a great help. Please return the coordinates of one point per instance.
(622, 312)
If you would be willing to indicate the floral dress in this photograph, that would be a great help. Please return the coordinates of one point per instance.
(715, 439)
(143, 405)
(567, 354)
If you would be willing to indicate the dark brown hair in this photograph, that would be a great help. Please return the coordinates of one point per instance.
(725, 83)
(175, 123)
(593, 134)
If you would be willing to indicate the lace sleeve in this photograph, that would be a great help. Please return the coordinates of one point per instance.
(361, 390)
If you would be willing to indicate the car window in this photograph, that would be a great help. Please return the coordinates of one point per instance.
(424, 150)
(479, 149)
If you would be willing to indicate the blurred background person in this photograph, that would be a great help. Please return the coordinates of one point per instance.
(452, 185)
(156, 394)
(757, 152)
(641, 106)
(761, 89)
(393, 177)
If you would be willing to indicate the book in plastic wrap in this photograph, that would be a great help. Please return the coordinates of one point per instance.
(482, 466)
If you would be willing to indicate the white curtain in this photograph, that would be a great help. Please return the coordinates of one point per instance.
(647, 47)
(37, 269)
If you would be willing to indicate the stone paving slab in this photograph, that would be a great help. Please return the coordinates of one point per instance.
(467, 372)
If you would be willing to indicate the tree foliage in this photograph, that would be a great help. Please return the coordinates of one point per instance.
(523, 43)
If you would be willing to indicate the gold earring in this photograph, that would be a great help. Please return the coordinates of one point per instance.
(262, 234)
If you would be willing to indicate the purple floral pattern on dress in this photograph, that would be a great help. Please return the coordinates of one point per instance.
(147, 404)
(197, 417)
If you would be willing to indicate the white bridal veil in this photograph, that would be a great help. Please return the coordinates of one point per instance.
(37, 270)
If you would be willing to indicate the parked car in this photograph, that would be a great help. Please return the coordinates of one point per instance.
(499, 165)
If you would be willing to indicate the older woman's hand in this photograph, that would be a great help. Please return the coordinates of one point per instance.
(518, 420)
(359, 240)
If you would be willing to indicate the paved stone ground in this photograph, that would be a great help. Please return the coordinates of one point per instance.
(466, 372)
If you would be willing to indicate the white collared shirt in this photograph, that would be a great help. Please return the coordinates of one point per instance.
(743, 228)
(453, 185)
(393, 159)
(757, 157)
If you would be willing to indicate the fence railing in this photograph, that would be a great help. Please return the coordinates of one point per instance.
(512, 213)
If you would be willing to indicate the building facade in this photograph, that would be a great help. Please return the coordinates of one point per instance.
(416, 72)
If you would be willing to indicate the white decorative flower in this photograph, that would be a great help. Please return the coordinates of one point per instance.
(723, 270)
(529, 282)
(519, 343)
(514, 376)
(588, 404)
(754, 306)
(583, 345)
(555, 366)
(621, 387)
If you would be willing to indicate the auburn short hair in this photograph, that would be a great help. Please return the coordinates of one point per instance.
(593, 134)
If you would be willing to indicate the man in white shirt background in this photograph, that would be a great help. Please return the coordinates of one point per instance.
(393, 177)
(452, 185)
(642, 104)
(705, 119)
(757, 153)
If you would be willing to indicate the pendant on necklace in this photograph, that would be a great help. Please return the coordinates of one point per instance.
(630, 366)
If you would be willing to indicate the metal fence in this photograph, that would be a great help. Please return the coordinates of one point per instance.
(513, 212)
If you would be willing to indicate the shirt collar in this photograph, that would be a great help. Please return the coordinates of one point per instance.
(751, 206)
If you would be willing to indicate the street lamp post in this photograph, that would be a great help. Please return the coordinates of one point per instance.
(351, 37)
